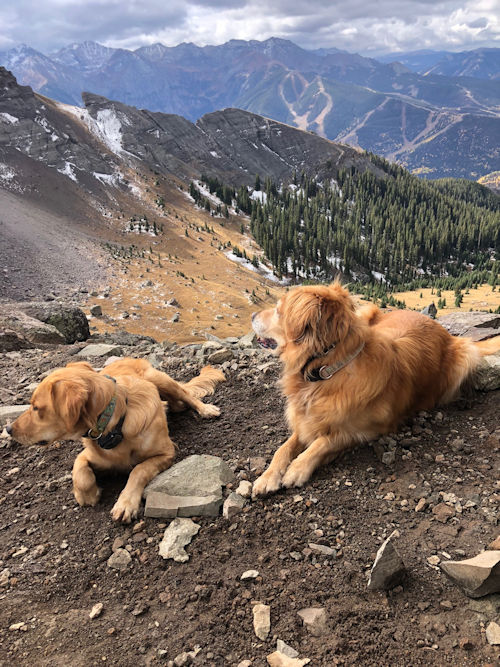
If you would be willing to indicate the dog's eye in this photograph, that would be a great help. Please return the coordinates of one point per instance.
(35, 409)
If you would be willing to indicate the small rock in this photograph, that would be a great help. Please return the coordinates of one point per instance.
(322, 549)
(388, 458)
(278, 659)
(96, 610)
(443, 512)
(187, 657)
(493, 633)
(421, 505)
(233, 505)
(476, 576)
(249, 574)
(262, 620)
(119, 560)
(244, 489)
(245, 663)
(176, 317)
(314, 619)
(434, 560)
(100, 350)
(388, 567)
(286, 649)
(495, 545)
(178, 534)
(220, 356)
(18, 626)
(257, 463)
(96, 311)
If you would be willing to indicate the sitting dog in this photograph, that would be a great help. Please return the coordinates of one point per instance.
(119, 414)
(350, 375)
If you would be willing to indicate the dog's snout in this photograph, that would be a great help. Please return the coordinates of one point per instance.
(8, 428)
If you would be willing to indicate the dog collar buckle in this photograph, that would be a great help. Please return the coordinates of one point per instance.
(326, 372)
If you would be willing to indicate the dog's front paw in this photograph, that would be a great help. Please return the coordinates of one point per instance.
(265, 484)
(89, 497)
(209, 410)
(124, 510)
(296, 475)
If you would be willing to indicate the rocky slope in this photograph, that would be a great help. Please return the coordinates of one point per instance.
(329, 92)
(435, 481)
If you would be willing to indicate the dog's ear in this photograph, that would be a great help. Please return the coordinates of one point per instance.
(318, 318)
(80, 364)
(70, 397)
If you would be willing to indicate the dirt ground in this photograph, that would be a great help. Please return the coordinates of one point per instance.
(55, 552)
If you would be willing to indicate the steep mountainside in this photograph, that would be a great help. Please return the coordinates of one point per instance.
(479, 63)
(382, 107)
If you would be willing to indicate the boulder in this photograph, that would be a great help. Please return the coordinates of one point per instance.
(11, 341)
(197, 475)
(45, 321)
(388, 567)
(476, 576)
(476, 325)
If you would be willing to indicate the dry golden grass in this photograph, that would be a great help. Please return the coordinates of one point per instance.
(482, 298)
(212, 286)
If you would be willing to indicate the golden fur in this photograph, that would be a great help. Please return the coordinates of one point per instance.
(408, 363)
(69, 401)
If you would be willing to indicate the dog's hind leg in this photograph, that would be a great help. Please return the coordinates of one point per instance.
(176, 395)
(270, 480)
(321, 450)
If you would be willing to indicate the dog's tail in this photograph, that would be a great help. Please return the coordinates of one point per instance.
(204, 383)
(488, 346)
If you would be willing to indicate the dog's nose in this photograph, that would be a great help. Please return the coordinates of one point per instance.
(8, 428)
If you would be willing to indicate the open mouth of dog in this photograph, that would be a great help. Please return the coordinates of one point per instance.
(268, 343)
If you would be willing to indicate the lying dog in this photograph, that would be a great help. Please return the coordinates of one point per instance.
(120, 416)
(350, 375)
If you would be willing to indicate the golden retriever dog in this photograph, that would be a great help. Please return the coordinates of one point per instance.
(119, 414)
(351, 375)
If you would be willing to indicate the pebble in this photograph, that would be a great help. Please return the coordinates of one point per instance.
(388, 567)
(287, 650)
(18, 626)
(233, 505)
(119, 560)
(314, 619)
(244, 489)
(249, 574)
(96, 610)
(434, 560)
(262, 620)
(493, 634)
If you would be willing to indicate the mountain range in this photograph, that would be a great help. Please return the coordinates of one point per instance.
(441, 120)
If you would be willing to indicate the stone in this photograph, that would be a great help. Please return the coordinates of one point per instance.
(164, 506)
(487, 376)
(286, 649)
(388, 568)
(45, 322)
(220, 356)
(12, 341)
(476, 576)
(443, 512)
(430, 311)
(257, 463)
(96, 610)
(244, 488)
(233, 505)
(421, 505)
(186, 657)
(176, 317)
(388, 458)
(179, 534)
(197, 475)
(493, 633)
(262, 620)
(96, 311)
(100, 350)
(315, 620)
(119, 560)
(245, 663)
(473, 324)
(278, 659)
(9, 413)
(248, 340)
(322, 549)
(249, 574)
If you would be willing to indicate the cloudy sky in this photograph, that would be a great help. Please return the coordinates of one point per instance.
(362, 26)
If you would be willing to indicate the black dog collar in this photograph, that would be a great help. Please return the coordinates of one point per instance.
(327, 372)
(115, 436)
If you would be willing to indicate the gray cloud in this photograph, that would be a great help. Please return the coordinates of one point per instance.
(357, 25)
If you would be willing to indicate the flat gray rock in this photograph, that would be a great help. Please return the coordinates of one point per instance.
(476, 576)
(388, 567)
(100, 350)
(163, 506)
(476, 325)
(178, 535)
(197, 475)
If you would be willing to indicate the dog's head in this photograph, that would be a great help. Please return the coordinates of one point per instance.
(59, 408)
(306, 321)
